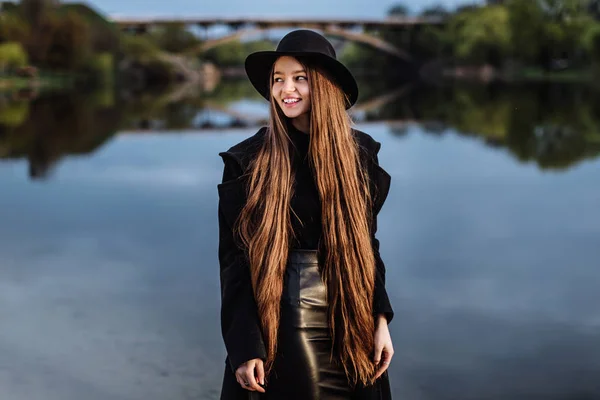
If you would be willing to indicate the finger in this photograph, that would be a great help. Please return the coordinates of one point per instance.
(240, 380)
(377, 355)
(381, 370)
(384, 364)
(252, 384)
(260, 372)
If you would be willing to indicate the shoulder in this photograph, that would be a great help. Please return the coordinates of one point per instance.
(380, 178)
(244, 151)
(366, 142)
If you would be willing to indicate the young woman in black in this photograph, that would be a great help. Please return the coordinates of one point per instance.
(304, 309)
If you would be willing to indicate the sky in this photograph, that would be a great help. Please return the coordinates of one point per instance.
(261, 8)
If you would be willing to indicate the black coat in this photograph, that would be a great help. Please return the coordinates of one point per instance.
(240, 324)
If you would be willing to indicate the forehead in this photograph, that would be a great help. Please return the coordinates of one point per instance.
(287, 64)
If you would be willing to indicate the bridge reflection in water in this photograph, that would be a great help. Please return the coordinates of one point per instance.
(215, 116)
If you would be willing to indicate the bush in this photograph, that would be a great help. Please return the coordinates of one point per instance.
(12, 56)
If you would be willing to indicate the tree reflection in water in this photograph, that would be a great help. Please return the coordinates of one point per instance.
(552, 125)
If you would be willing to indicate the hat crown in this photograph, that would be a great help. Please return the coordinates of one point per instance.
(304, 40)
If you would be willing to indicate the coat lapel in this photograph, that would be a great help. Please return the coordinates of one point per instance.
(234, 192)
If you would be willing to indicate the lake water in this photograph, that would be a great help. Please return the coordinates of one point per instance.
(109, 272)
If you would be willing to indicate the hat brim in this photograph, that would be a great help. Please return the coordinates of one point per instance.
(258, 67)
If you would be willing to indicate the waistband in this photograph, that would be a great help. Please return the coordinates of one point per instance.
(302, 256)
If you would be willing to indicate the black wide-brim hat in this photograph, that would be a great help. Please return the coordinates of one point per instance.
(309, 46)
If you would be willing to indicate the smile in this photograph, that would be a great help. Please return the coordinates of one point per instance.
(290, 101)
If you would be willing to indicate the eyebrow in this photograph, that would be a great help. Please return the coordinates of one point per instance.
(295, 72)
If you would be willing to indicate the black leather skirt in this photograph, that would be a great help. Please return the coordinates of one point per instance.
(303, 368)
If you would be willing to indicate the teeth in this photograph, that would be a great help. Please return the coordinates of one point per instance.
(290, 100)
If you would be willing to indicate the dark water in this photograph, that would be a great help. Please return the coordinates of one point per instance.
(491, 236)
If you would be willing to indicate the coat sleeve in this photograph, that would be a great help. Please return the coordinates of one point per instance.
(381, 301)
(240, 324)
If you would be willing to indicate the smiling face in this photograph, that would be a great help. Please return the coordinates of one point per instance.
(291, 91)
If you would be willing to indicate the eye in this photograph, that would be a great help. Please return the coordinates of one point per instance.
(277, 80)
(301, 77)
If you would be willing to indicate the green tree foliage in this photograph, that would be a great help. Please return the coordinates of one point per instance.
(104, 35)
(481, 34)
(543, 34)
(35, 11)
(13, 27)
(70, 45)
(14, 114)
(591, 42)
(233, 54)
(399, 10)
(139, 47)
(12, 55)
(546, 30)
(174, 38)
(435, 11)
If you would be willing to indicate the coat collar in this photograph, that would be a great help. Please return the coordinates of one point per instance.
(244, 151)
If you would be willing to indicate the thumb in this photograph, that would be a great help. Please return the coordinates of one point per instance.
(260, 372)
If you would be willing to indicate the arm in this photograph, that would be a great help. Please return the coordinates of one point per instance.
(383, 347)
(240, 325)
(381, 301)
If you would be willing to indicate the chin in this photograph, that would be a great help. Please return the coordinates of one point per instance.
(294, 114)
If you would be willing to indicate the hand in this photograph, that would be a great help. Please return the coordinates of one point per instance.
(247, 375)
(384, 351)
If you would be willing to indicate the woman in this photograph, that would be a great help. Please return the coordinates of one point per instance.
(304, 311)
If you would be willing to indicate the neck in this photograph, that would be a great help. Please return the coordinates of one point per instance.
(302, 123)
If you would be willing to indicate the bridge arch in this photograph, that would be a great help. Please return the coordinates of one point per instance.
(333, 31)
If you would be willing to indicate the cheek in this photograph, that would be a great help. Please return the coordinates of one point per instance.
(305, 93)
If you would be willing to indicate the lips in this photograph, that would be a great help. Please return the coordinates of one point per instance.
(289, 102)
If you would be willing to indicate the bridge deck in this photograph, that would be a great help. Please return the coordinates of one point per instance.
(388, 22)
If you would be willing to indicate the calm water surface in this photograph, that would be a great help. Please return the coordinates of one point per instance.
(109, 273)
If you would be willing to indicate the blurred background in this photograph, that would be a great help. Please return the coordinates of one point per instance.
(112, 114)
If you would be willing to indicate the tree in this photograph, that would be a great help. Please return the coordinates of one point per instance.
(12, 55)
(175, 38)
(399, 10)
(34, 11)
(70, 45)
(482, 34)
(13, 28)
(438, 11)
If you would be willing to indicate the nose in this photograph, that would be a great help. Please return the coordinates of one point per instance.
(289, 86)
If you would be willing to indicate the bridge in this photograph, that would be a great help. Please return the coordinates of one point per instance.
(266, 23)
(356, 30)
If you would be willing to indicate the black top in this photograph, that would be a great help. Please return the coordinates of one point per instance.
(306, 218)
(305, 203)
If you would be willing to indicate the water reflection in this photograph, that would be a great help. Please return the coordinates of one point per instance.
(552, 125)
(109, 283)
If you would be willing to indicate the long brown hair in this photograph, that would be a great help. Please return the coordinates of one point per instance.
(265, 226)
